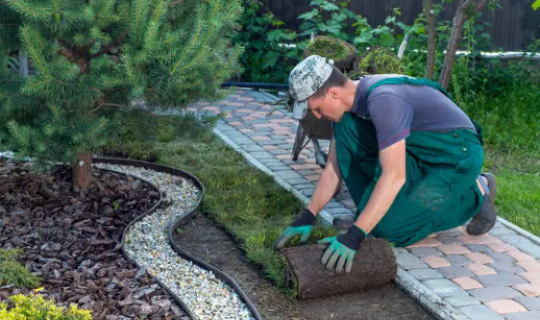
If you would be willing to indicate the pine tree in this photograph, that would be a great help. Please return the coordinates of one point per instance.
(91, 59)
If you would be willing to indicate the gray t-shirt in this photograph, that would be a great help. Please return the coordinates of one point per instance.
(396, 110)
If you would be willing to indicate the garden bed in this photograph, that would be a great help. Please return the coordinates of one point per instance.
(202, 238)
(73, 241)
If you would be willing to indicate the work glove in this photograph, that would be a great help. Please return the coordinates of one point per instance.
(342, 249)
(301, 226)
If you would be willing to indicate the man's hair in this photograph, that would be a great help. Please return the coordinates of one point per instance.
(336, 79)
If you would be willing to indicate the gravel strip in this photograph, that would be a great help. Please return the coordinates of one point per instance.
(147, 243)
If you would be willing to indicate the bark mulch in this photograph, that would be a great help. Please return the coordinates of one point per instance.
(73, 241)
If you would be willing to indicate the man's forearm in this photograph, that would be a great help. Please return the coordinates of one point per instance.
(384, 194)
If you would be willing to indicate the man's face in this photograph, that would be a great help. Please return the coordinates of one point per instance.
(327, 106)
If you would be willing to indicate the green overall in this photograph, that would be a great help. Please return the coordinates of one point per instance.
(440, 192)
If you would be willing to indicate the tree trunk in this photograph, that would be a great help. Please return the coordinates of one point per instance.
(375, 265)
(463, 13)
(432, 39)
(82, 171)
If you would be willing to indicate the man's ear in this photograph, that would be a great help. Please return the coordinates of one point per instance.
(333, 92)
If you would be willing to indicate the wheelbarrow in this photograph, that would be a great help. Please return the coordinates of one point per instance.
(314, 129)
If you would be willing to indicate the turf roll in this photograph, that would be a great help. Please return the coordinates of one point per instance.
(374, 266)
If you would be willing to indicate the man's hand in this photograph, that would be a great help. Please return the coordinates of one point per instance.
(344, 248)
(301, 226)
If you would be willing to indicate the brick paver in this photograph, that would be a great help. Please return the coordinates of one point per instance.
(532, 277)
(533, 266)
(480, 269)
(506, 306)
(493, 276)
(529, 290)
(480, 312)
(454, 249)
(480, 258)
(531, 303)
(501, 279)
(436, 262)
(427, 242)
(467, 283)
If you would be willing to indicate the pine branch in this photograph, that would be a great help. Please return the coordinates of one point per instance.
(36, 57)
(191, 45)
(26, 9)
(159, 10)
(141, 8)
(129, 69)
(232, 58)
(117, 43)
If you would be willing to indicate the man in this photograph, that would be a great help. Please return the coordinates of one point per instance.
(410, 157)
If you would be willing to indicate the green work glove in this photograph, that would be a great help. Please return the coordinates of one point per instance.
(342, 249)
(301, 226)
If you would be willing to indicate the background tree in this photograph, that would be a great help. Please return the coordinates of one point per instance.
(465, 10)
(92, 59)
(429, 12)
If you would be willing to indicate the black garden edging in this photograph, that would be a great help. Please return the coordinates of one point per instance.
(174, 171)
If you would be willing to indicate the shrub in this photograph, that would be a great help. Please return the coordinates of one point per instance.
(15, 273)
(36, 308)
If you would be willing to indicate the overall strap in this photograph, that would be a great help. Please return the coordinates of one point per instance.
(410, 81)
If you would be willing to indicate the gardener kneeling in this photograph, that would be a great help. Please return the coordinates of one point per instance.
(411, 159)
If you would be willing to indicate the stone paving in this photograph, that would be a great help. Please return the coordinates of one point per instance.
(454, 275)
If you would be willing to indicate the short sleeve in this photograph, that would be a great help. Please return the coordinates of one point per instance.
(392, 117)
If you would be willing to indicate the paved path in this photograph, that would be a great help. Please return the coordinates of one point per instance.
(455, 276)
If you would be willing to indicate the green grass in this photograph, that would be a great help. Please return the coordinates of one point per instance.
(512, 151)
(239, 197)
(518, 187)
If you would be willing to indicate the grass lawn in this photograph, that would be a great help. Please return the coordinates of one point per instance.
(518, 188)
(512, 151)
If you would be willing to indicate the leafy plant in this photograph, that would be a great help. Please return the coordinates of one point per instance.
(35, 307)
(12, 272)
(265, 58)
(328, 17)
(383, 35)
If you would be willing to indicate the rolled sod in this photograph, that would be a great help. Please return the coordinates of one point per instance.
(374, 266)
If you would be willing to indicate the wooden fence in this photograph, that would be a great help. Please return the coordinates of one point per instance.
(513, 26)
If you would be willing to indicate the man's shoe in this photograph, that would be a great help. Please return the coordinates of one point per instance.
(486, 218)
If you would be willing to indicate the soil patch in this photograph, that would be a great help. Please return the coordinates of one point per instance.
(73, 241)
(202, 238)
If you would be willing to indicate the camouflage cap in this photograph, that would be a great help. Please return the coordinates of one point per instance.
(305, 79)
